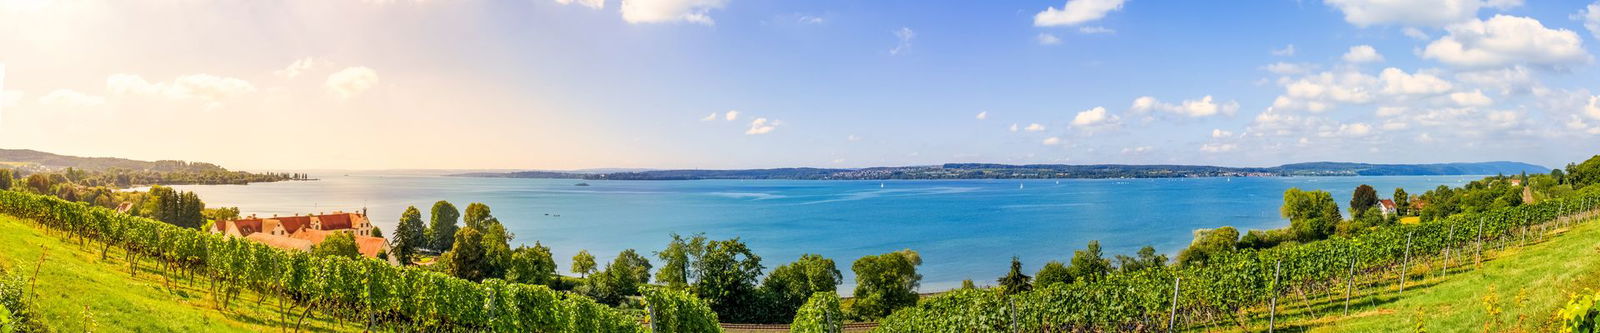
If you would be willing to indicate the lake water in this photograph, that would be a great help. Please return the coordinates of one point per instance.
(964, 229)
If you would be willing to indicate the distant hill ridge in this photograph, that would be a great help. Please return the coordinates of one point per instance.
(38, 159)
(1043, 171)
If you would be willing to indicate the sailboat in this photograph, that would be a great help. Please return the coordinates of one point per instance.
(880, 185)
(1019, 186)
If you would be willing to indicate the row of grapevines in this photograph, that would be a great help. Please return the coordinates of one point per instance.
(1227, 283)
(364, 291)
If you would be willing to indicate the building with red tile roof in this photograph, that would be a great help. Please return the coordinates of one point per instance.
(302, 232)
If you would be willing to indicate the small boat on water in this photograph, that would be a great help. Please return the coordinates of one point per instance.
(1019, 186)
(581, 184)
(880, 185)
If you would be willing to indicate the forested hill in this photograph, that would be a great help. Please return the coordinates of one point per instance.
(1044, 171)
(122, 172)
(37, 159)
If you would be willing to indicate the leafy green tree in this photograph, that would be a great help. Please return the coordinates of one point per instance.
(467, 259)
(442, 225)
(409, 236)
(1014, 282)
(338, 244)
(1089, 264)
(967, 284)
(531, 265)
(727, 280)
(790, 285)
(1147, 259)
(583, 263)
(1584, 174)
(1364, 197)
(1402, 202)
(885, 282)
(476, 215)
(622, 278)
(1053, 272)
(1208, 243)
(1312, 214)
(676, 260)
(221, 213)
(6, 177)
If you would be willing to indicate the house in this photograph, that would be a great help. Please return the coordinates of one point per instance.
(302, 232)
(1388, 207)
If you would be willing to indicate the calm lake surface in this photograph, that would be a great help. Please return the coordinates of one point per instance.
(964, 229)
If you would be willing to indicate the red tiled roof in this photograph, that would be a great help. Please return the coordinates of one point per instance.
(247, 227)
(369, 246)
(313, 235)
(335, 221)
(1387, 203)
(293, 224)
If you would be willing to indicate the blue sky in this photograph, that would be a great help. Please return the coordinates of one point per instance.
(631, 83)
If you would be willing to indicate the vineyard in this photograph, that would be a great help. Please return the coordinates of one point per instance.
(372, 293)
(1218, 293)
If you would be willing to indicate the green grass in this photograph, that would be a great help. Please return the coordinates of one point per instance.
(78, 291)
(1526, 285)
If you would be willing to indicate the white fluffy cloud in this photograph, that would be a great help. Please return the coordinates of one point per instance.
(663, 11)
(1507, 40)
(710, 117)
(1219, 133)
(1093, 117)
(596, 4)
(1045, 38)
(351, 81)
(982, 115)
(1034, 127)
(1203, 107)
(1591, 18)
(1474, 98)
(1362, 54)
(71, 99)
(761, 126)
(204, 88)
(1432, 13)
(1051, 141)
(1593, 109)
(1398, 82)
(1076, 12)
(731, 115)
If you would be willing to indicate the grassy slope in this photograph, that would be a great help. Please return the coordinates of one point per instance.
(1528, 283)
(80, 292)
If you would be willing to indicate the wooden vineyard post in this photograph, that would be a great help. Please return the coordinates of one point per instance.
(1013, 304)
(1173, 320)
(1478, 258)
(1272, 317)
(1404, 264)
(1349, 285)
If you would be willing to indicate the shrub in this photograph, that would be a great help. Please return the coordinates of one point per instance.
(820, 314)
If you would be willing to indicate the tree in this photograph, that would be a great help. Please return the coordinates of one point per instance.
(820, 314)
(1364, 197)
(727, 280)
(1147, 259)
(442, 225)
(1312, 215)
(467, 259)
(583, 263)
(1402, 202)
(1053, 272)
(338, 244)
(967, 284)
(885, 282)
(221, 213)
(6, 178)
(1208, 243)
(789, 285)
(621, 278)
(409, 236)
(676, 259)
(1014, 282)
(477, 214)
(377, 232)
(1089, 264)
(531, 265)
